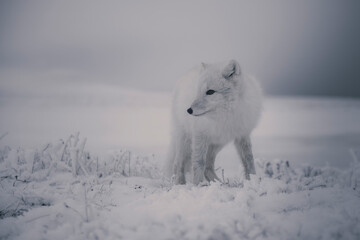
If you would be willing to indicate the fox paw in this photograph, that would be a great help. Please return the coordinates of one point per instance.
(210, 175)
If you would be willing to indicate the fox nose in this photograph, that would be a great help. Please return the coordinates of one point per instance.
(190, 111)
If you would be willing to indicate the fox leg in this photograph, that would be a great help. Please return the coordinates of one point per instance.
(199, 150)
(212, 151)
(182, 155)
(244, 149)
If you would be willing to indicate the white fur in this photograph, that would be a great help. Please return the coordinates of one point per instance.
(231, 113)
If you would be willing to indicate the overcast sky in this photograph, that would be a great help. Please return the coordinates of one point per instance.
(292, 47)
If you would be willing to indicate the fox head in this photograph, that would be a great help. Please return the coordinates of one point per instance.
(217, 88)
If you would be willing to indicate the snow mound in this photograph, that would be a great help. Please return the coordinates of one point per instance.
(61, 191)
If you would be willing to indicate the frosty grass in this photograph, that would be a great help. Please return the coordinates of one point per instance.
(61, 191)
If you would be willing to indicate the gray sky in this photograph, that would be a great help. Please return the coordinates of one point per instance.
(292, 47)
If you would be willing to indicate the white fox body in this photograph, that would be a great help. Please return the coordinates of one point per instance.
(213, 105)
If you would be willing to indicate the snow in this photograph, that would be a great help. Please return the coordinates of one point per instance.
(106, 182)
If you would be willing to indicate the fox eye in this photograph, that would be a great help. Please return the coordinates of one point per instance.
(210, 92)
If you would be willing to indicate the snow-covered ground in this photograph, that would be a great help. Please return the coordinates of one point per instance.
(106, 182)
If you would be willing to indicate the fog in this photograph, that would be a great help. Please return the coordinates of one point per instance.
(85, 119)
(293, 48)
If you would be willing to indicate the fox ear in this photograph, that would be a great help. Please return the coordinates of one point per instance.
(232, 69)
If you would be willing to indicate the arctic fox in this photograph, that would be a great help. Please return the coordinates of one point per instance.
(213, 105)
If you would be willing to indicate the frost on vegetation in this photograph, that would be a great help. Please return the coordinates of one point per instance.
(63, 191)
(20, 168)
(128, 164)
(280, 177)
(308, 177)
(70, 156)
